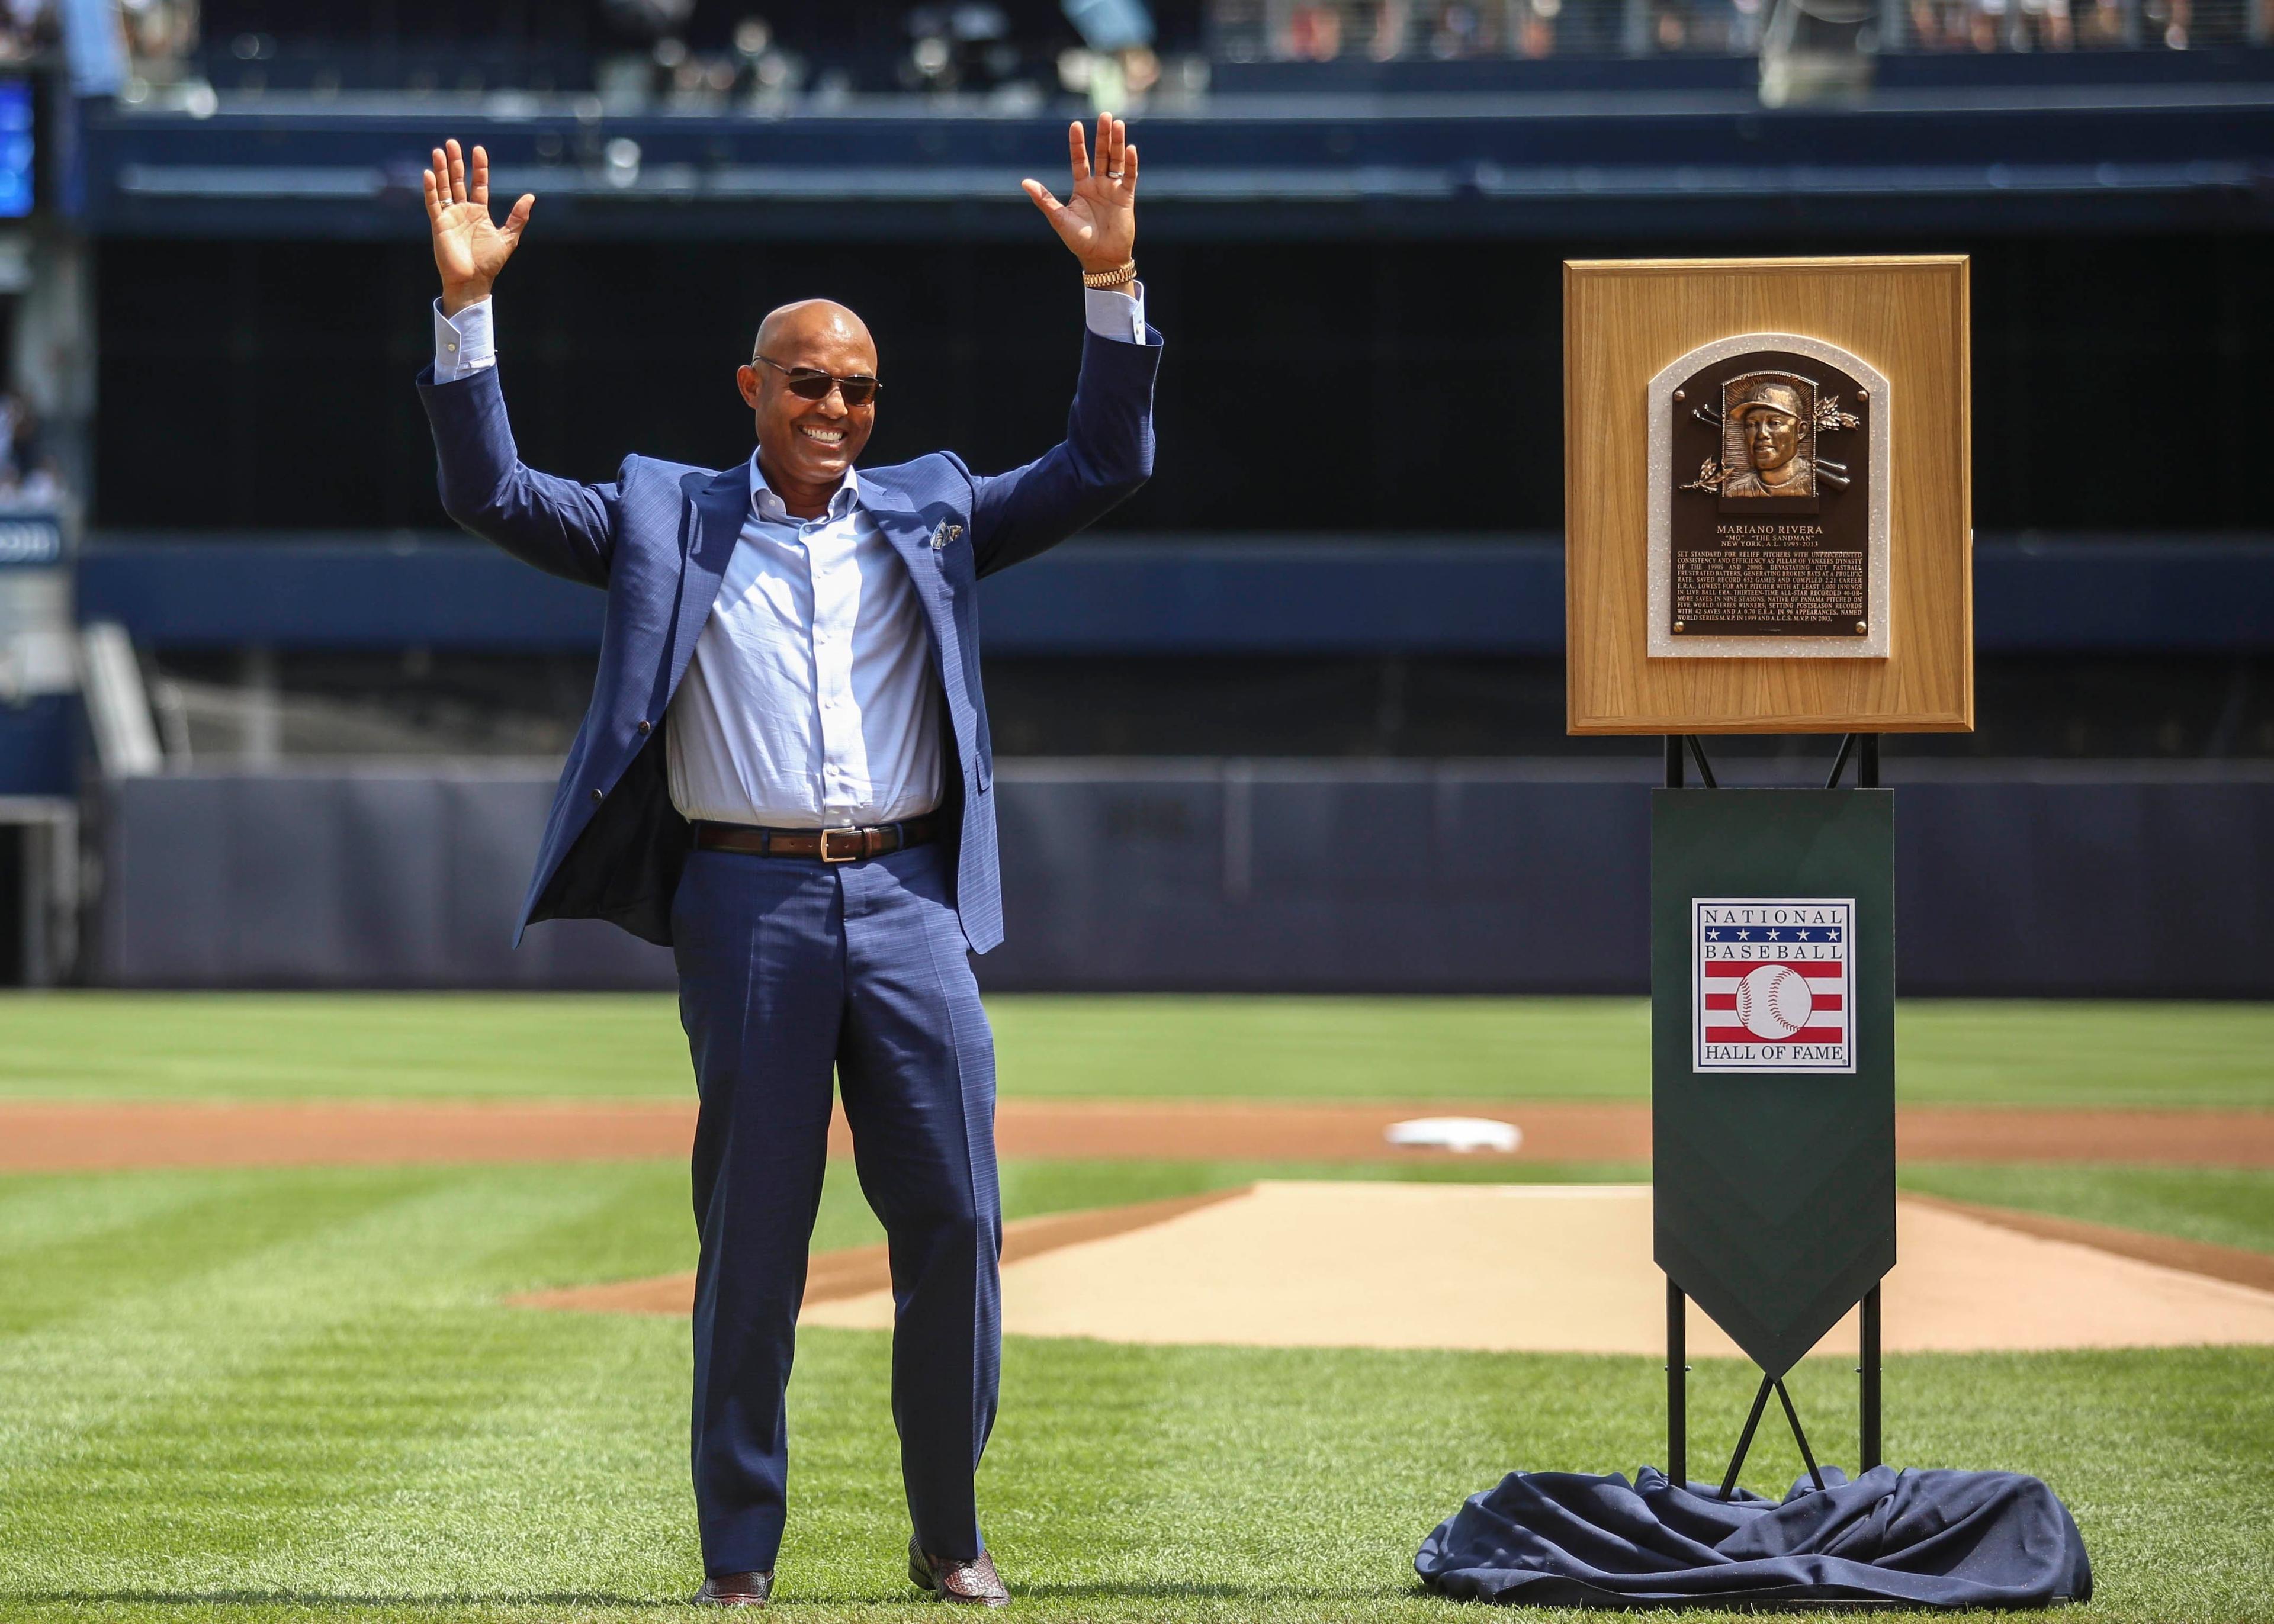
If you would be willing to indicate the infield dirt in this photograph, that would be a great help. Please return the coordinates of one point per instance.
(1397, 1266)
(57, 1136)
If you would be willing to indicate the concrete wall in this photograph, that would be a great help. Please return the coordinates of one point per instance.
(1523, 876)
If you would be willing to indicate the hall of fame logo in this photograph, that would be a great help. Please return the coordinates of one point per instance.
(1775, 985)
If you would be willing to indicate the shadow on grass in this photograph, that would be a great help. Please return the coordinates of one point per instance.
(1095, 1590)
(340, 1599)
(1171, 1589)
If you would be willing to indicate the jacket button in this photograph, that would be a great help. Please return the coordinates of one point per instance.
(600, 794)
(646, 727)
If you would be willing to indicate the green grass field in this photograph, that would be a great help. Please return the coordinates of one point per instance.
(480, 1045)
(232, 1397)
(255, 1396)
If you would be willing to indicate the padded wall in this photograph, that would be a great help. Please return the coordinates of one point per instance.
(1527, 876)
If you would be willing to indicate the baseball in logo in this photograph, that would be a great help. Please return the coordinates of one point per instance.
(1774, 988)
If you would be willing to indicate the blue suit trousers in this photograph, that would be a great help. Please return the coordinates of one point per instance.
(790, 969)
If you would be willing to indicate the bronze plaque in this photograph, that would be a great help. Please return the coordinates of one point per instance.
(1766, 526)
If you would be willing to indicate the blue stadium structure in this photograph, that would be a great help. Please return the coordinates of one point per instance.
(244, 595)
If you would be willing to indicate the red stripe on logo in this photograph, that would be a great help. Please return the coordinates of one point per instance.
(1822, 1003)
(1746, 967)
(1739, 1034)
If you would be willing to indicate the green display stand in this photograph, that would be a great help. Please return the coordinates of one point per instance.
(1773, 1052)
(1768, 531)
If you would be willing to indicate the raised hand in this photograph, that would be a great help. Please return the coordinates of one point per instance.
(1098, 221)
(470, 248)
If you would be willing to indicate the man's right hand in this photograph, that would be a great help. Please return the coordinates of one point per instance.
(470, 249)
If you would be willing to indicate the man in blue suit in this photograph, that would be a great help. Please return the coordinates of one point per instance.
(786, 776)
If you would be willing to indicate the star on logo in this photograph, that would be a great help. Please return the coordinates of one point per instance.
(1772, 935)
(1744, 936)
(1802, 937)
(1712, 935)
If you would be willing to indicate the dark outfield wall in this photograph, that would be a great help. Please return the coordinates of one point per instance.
(2013, 878)
(1323, 385)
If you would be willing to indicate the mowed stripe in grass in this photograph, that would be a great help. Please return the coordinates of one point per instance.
(2225, 1207)
(293, 1046)
(333, 1376)
(428, 1046)
(317, 1410)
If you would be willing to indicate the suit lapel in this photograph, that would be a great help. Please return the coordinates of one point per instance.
(719, 507)
(888, 505)
(911, 536)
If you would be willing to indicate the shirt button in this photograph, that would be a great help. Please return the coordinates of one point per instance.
(646, 727)
(452, 348)
(600, 794)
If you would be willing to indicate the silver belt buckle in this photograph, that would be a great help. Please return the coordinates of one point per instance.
(848, 856)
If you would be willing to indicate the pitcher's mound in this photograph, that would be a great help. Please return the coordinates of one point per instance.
(1553, 1269)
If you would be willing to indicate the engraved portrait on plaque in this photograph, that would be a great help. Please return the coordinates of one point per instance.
(1767, 432)
(1777, 542)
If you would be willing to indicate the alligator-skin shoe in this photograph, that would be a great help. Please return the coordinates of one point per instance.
(741, 1590)
(974, 1583)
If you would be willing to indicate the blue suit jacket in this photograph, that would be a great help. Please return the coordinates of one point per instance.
(657, 539)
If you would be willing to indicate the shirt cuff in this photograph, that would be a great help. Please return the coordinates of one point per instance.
(464, 342)
(1111, 313)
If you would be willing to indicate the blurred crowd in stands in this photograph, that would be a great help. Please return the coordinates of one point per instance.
(691, 55)
(2057, 24)
(1397, 30)
(27, 472)
(160, 30)
(28, 28)
(720, 53)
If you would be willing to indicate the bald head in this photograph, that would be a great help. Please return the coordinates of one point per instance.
(814, 321)
(806, 446)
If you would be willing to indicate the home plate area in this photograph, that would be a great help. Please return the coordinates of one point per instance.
(1546, 1268)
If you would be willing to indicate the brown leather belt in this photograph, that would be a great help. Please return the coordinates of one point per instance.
(831, 846)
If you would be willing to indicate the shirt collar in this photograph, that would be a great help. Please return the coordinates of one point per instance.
(769, 506)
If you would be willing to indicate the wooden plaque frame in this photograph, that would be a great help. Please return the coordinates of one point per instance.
(1626, 319)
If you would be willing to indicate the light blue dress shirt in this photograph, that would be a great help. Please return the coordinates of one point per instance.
(811, 701)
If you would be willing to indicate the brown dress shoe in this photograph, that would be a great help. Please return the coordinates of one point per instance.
(743, 1590)
(974, 1581)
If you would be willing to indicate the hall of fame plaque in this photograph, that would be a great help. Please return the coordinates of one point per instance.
(1768, 501)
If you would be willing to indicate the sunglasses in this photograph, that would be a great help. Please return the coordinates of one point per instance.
(811, 384)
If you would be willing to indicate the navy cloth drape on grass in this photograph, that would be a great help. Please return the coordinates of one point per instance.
(1921, 1539)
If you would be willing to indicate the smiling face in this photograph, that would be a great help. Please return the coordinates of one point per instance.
(805, 446)
(1771, 437)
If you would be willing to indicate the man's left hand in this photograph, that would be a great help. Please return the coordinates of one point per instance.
(1098, 222)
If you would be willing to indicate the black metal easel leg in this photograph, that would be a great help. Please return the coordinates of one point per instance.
(1677, 1348)
(1867, 1368)
(1867, 1316)
(1677, 1324)
(1677, 1387)
(1745, 1438)
(1840, 762)
(1807, 1455)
